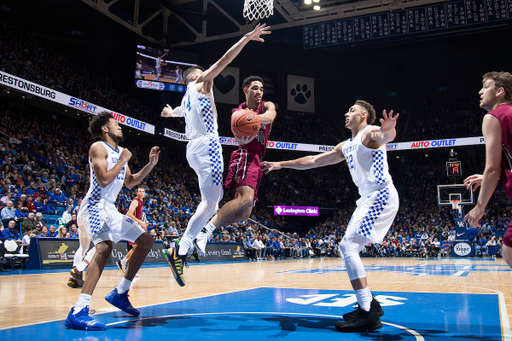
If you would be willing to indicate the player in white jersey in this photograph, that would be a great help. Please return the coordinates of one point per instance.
(204, 153)
(158, 66)
(138, 69)
(365, 153)
(104, 224)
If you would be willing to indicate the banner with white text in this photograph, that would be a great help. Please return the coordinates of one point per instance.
(70, 101)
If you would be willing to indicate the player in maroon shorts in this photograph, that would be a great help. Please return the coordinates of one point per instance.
(135, 211)
(495, 97)
(244, 173)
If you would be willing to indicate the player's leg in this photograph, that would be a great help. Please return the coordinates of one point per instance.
(210, 197)
(121, 264)
(370, 222)
(78, 263)
(125, 228)
(507, 247)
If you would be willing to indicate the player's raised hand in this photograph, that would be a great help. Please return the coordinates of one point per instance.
(260, 29)
(166, 111)
(474, 181)
(154, 155)
(126, 155)
(387, 123)
(268, 167)
(244, 140)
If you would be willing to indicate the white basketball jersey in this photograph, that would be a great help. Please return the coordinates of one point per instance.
(200, 112)
(158, 62)
(110, 192)
(368, 167)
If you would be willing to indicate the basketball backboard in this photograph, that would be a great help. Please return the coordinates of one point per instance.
(445, 193)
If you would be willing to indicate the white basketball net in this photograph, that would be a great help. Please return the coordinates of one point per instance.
(258, 9)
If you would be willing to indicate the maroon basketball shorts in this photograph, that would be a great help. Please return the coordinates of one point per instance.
(244, 170)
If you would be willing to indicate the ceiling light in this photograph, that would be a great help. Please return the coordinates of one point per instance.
(307, 2)
(316, 7)
(317, 1)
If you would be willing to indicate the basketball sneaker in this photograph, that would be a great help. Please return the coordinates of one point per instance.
(120, 265)
(194, 255)
(362, 321)
(176, 262)
(200, 242)
(121, 301)
(72, 283)
(373, 305)
(83, 321)
(78, 276)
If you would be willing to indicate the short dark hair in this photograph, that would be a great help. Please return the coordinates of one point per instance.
(99, 121)
(247, 82)
(501, 80)
(369, 108)
(189, 71)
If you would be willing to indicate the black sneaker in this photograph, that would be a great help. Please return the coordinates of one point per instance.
(375, 305)
(176, 262)
(195, 256)
(363, 321)
(77, 275)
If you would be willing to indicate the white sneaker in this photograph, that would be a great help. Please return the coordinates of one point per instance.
(137, 275)
(200, 243)
(120, 265)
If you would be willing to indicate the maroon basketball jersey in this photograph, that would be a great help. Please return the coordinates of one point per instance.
(259, 144)
(504, 114)
(139, 209)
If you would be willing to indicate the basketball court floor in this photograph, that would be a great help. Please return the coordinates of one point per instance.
(434, 299)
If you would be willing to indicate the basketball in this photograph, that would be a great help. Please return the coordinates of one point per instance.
(245, 123)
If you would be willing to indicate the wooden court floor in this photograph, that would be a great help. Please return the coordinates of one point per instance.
(28, 299)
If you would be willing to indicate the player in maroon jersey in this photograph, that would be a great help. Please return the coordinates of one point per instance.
(495, 97)
(135, 212)
(244, 173)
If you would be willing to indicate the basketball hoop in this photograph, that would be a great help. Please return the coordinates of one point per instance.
(455, 204)
(258, 9)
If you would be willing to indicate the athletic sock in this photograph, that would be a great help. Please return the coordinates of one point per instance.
(81, 267)
(364, 298)
(124, 286)
(210, 228)
(83, 301)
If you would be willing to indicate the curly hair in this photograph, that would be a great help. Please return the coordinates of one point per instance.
(247, 82)
(369, 108)
(97, 122)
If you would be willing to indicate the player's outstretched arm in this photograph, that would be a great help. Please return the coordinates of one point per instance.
(269, 115)
(98, 156)
(168, 111)
(208, 75)
(131, 180)
(386, 133)
(491, 128)
(307, 162)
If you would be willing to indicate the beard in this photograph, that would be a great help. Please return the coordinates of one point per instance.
(117, 139)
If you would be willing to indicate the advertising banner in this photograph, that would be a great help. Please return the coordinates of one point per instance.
(35, 89)
(224, 252)
(309, 211)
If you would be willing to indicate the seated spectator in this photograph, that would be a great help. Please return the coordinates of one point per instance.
(8, 213)
(6, 198)
(66, 215)
(52, 232)
(25, 241)
(20, 213)
(43, 232)
(29, 223)
(58, 198)
(11, 232)
(39, 220)
(73, 231)
(71, 178)
(30, 204)
(63, 232)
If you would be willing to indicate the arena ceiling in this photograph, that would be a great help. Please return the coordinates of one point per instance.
(176, 23)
